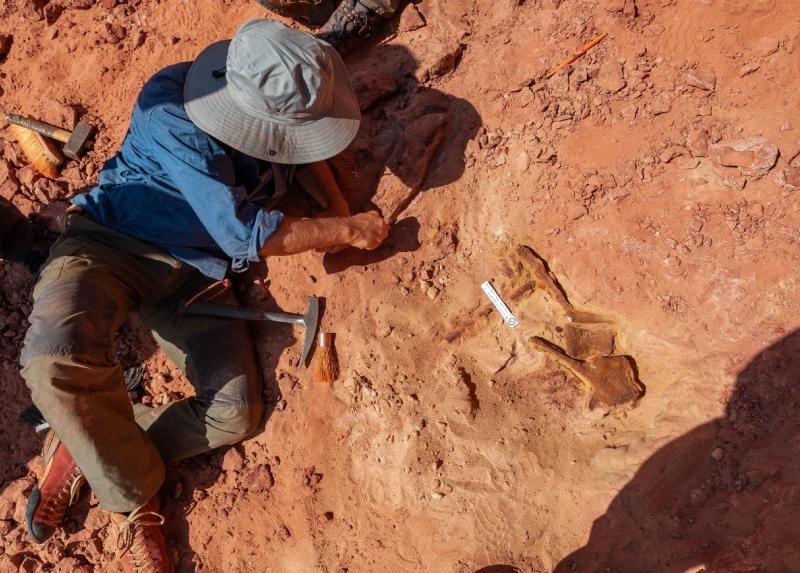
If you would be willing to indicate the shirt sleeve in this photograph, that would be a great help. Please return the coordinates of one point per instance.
(199, 168)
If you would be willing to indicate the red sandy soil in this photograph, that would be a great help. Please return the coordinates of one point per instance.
(480, 454)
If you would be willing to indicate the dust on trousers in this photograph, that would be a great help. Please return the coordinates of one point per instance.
(93, 279)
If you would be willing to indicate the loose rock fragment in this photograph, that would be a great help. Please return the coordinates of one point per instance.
(703, 79)
(411, 19)
(748, 69)
(697, 142)
(610, 77)
(661, 105)
(754, 156)
(789, 179)
(522, 162)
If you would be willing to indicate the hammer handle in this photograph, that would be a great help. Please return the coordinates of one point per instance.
(240, 312)
(46, 129)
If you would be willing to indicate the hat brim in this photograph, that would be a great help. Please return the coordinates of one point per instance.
(211, 107)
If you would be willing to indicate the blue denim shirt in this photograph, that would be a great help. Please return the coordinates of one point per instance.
(175, 186)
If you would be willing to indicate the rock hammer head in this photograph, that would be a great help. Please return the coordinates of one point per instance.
(310, 323)
(78, 140)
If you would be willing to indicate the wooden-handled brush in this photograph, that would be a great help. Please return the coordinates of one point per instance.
(326, 365)
(40, 151)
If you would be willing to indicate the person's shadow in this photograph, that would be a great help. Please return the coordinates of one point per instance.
(725, 496)
(412, 137)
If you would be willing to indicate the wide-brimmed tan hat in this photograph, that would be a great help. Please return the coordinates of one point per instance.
(274, 93)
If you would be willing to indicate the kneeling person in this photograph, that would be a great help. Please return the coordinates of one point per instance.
(212, 147)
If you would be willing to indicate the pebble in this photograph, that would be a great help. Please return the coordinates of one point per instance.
(748, 69)
(522, 162)
(281, 405)
(432, 292)
(437, 495)
(718, 453)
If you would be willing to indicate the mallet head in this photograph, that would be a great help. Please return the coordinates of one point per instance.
(78, 141)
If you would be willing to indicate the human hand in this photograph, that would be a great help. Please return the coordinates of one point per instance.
(368, 230)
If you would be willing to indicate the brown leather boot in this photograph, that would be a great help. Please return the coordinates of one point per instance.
(350, 24)
(140, 539)
(56, 491)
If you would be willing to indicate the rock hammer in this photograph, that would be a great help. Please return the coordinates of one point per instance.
(75, 141)
(309, 320)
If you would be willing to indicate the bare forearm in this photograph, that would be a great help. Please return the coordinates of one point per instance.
(300, 235)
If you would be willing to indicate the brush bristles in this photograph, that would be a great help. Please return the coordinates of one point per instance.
(41, 153)
(326, 364)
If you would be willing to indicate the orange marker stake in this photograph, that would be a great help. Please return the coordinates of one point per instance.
(581, 52)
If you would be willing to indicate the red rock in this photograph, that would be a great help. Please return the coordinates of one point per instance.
(703, 79)
(610, 77)
(789, 179)
(8, 189)
(614, 6)
(26, 207)
(748, 69)
(661, 104)
(697, 142)
(137, 38)
(28, 175)
(411, 19)
(754, 156)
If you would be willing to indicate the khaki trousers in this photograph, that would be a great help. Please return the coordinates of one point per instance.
(92, 280)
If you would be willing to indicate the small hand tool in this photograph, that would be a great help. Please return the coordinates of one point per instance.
(325, 363)
(75, 141)
(309, 320)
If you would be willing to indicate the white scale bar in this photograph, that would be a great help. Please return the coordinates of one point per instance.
(498, 303)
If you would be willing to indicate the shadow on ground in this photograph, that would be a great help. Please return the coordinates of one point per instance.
(725, 495)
